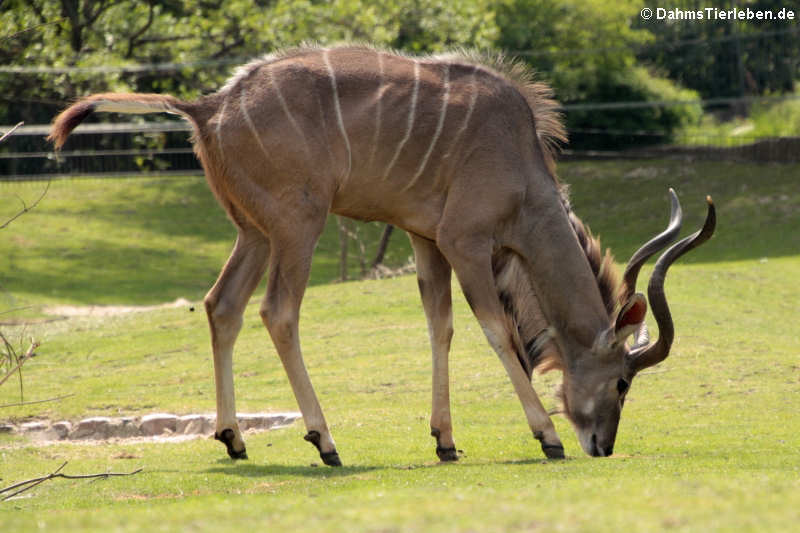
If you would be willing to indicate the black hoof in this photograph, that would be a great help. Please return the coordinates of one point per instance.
(447, 455)
(226, 438)
(553, 451)
(329, 458)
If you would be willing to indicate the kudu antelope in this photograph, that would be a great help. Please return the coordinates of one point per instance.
(454, 150)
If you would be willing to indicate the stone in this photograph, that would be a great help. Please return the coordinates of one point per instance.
(251, 421)
(124, 428)
(280, 420)
(158, 423)
(91, 428)
(130, 428)
(195, 425)
(61, 429)
(263, 421)
(32, 427)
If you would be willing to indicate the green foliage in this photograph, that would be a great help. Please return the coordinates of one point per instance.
(116, 43)
(764, 120)
(720, 58)
(587, 51)
(571, 42)
(590, 51)
(673, 109)
(89, 34)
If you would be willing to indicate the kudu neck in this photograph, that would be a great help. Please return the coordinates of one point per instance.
(566, 286)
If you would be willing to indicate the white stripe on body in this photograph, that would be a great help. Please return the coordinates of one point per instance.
(470, 109)
(338, 108)
(378, 112)
(286, 110)
(411, 116)
(250, 123)
(439, 126)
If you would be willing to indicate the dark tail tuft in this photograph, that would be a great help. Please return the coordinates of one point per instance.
(68, 120)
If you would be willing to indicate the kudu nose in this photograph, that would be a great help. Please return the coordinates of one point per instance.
(598, 451)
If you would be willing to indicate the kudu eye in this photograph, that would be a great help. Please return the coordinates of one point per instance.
(622, 386)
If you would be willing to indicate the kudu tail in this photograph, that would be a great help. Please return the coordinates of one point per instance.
(135, 103)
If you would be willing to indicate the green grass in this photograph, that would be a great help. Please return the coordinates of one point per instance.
(133, 241)
(150, 240)
(708, 440)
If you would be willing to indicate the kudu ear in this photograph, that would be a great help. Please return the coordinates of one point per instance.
(630, 317)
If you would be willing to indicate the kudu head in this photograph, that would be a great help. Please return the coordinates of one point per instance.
(595, 386)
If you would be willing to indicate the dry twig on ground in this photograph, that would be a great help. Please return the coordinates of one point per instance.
(32, 402)
(28, 484)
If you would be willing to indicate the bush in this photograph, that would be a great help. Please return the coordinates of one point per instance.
(766, 119)
(665, 111)
(586, 50)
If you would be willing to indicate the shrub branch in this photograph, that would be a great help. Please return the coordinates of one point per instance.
(9, 132)
(20, 361)
(26, 207)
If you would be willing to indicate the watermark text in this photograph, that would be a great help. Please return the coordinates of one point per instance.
(715, 13)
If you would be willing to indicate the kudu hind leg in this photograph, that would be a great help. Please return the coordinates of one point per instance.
(289, 268)
(225, 304)
(433, 276)
(471, 260)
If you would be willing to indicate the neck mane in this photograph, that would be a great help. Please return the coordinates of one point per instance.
(533, 335)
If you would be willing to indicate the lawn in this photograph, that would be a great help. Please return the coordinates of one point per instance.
(708, 440)
(133, 241)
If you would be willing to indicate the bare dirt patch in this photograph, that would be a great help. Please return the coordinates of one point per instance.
(109, 310)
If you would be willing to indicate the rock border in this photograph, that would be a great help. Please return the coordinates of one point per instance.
(155, 426)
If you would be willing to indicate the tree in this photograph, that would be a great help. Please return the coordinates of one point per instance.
(728, 58)
(586, 50)
(205, 38)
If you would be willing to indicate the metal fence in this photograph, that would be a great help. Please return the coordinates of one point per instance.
(107, 149)
(163, 148)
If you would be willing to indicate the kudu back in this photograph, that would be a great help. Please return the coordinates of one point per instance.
(456, 151)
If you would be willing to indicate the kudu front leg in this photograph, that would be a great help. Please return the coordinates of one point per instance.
(225, 304)
(433, 277)
(280, 311)
(471, 261)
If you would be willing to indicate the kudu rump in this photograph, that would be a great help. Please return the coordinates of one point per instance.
(456, 151)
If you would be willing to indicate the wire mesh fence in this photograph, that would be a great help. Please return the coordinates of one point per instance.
(164, 148)
(156, 149)
(106, 149)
